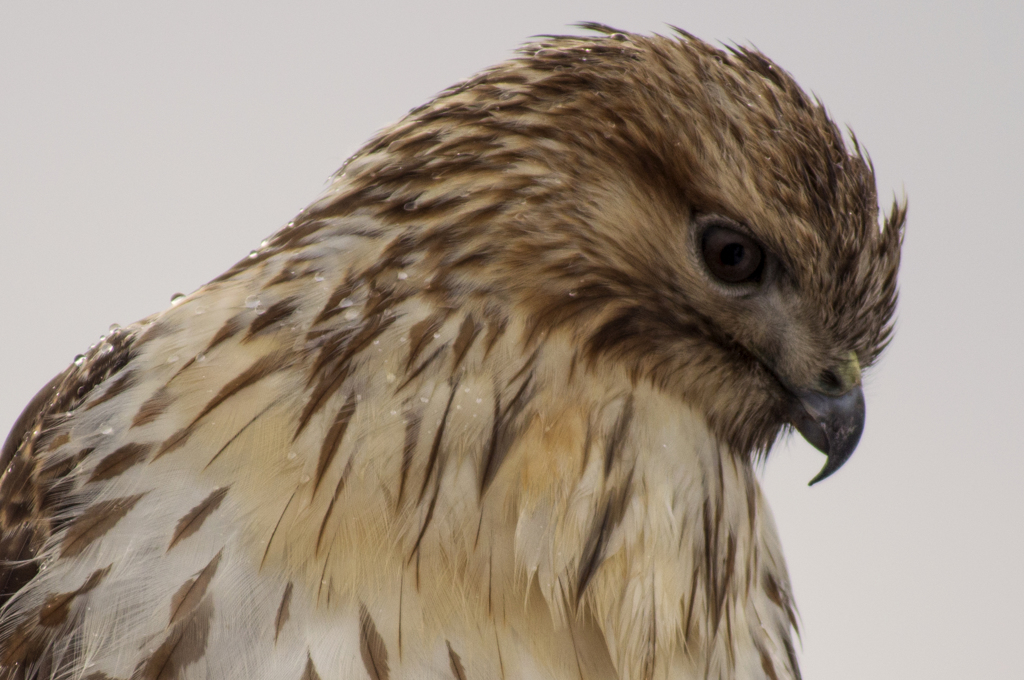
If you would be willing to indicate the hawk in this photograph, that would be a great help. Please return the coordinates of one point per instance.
(488, 408)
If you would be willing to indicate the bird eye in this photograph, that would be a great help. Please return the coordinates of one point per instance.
(731, 256)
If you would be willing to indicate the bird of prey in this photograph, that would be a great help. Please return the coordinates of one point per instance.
(489, 408)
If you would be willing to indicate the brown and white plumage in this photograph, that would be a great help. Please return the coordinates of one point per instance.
(481, 411)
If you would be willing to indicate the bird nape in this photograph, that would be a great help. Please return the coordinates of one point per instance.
(488, 408)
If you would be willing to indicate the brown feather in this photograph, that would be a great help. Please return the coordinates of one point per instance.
(193, 521)
(371, 647)
(192, 592)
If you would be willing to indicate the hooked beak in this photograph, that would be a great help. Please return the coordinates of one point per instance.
(831, 422)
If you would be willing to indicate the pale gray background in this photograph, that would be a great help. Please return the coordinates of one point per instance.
(143, 150)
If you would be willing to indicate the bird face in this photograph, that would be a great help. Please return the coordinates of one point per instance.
(769, 317)
(742, 329)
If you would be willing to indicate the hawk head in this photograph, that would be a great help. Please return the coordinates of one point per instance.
(683, 211)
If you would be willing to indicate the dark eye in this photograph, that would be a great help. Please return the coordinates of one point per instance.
(731, 256)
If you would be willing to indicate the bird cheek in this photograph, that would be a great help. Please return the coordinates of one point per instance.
(788, 344)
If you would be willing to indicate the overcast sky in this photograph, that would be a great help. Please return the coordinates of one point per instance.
(143, 151)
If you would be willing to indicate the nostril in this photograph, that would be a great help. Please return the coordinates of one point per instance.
(830, 381)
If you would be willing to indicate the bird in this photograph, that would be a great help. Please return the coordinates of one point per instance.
(492, 406)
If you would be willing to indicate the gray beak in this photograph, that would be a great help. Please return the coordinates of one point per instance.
(832, 424)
